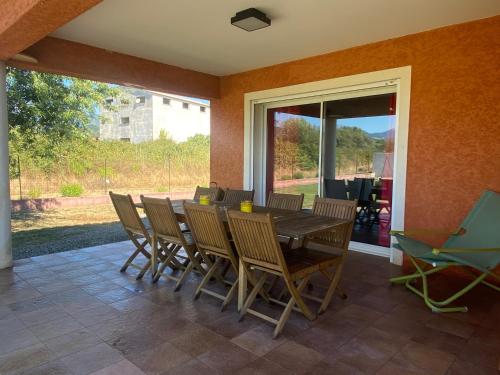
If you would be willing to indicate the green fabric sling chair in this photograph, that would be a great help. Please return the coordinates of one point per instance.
(476, 244)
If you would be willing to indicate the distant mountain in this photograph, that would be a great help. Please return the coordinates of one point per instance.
(382, 135)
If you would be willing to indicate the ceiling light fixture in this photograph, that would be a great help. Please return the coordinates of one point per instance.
(250, 19)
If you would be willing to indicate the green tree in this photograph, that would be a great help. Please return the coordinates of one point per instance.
(45, 111)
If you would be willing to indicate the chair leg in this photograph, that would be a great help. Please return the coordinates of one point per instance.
(251, 297)
(230, 295)
(331, 289)
(140, 249)
(144, 269)
(296, 299)
(436, 306)
(184, 275)
(207, 277)
(166, 262)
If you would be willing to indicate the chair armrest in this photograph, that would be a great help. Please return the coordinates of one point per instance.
(464, 250)
(458, 232)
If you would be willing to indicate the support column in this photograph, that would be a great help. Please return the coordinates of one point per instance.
(329, 158)
(5, 205)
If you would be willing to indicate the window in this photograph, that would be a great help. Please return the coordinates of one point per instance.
(203, 109)
(140, 100)
(166, 101)
(109, 101)
(125, 139)
(185, 105)
(125, 121)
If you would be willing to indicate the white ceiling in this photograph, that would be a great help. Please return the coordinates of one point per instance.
(198, 35)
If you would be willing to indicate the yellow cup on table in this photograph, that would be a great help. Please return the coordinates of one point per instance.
(204, 200)
(246, 206)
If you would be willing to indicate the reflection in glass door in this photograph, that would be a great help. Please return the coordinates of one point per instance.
(294, 150)
(337, 148)
(358, 152)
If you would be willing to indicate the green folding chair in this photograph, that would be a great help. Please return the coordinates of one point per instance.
(476, 244)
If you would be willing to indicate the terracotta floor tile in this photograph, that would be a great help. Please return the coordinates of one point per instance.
(24, 359)
(371, 349)
(198, 341)
(334, 367)
(263, 366)
(482, 352)
(43, 315)
(55, 328)
(258, 340)
(50, 368)
(451, 326)
(460, 367)
(295, 357)
(431, 360)
(92, 359)
(18, 339)
(395, 368)
(135, 341)
(114, 295)
(72, 342)
(192, 367)
(227, 357)
(440, 340)
(158, 359)
(378, 327)
(120, 368)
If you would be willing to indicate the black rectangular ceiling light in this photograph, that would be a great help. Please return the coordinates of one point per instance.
(250, 19)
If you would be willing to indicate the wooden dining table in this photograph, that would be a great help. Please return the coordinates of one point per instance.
(295, 225)
(292, 224)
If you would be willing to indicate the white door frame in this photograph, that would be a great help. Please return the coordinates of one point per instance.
(398, 77)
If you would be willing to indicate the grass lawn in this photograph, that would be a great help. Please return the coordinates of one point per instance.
(62, 229)
(55, 230)
(310, 191)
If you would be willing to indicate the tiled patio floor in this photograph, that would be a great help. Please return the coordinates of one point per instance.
(74, 313)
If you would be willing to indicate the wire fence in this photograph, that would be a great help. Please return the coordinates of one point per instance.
(97, 176)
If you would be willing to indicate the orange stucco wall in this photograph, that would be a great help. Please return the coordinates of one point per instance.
(454, 133)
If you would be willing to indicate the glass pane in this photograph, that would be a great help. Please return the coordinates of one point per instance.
(293, 150)
(359, 159)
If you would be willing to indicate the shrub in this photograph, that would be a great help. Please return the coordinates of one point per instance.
(71, 190)
(35, 193)
(162, 189)
(298, 175)
(286, 177)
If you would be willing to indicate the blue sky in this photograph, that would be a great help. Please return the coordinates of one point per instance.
(374, 124)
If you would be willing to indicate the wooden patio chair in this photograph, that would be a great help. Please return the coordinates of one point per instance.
(334, 241)
(259, 250)
(168, 240)
(215, 193)
(210, 236)
(135, 229)
(285, 201)
(234, 197)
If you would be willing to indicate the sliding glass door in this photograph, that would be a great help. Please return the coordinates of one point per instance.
(337, 146)
(358, 152)
(294, 140)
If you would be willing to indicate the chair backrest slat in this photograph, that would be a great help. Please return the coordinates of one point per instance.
(161, 216)
(214, 193)
(208, 228)
(236, 196)
(255, 238)
(285, 201)
(127, 213)
(339, 209)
